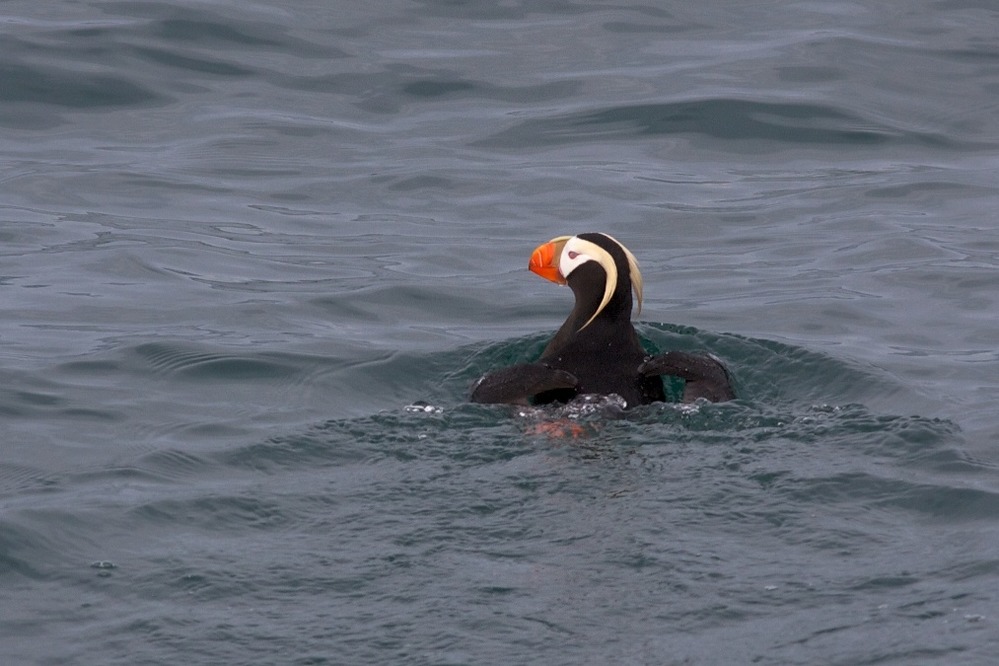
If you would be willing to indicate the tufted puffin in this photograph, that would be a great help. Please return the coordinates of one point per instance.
(597, 350)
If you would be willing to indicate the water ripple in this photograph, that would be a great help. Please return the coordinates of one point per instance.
(719, 118)
(254, 255)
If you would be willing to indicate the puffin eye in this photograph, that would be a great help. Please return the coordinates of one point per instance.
(573, 254)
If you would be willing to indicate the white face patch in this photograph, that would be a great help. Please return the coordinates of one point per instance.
(575, 253)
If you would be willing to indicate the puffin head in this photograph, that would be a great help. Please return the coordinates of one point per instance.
(557, 259)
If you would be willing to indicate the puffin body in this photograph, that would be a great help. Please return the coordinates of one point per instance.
(597, 343)
(597, 350)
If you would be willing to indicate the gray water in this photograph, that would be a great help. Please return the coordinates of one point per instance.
(253, 255)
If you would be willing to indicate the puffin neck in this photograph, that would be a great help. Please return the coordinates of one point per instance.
(587, 284)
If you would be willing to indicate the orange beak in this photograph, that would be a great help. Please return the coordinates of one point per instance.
(544, 261)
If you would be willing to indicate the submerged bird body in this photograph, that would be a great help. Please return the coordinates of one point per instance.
(605, 367)
(597, 350)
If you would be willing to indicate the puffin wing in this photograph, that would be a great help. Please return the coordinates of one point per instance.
(704, 374)
(516, 384)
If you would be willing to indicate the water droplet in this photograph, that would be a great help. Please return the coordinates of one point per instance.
(103, 568)
(421, 407)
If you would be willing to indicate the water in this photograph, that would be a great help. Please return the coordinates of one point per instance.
(253, 256)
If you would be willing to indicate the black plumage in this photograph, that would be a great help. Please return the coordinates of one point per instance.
(597, 350)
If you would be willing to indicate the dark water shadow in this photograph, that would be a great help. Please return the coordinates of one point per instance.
(772, 124)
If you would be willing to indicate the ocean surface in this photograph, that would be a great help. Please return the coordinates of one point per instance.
(254, 254)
